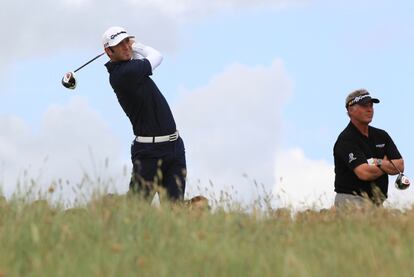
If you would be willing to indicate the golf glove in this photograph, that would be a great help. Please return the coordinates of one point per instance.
(137, 49)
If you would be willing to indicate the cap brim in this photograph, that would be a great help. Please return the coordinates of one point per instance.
(368, 100)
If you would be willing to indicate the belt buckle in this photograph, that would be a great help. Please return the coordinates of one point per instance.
(173, 137)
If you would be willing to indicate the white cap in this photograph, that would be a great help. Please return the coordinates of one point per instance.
(114, 35)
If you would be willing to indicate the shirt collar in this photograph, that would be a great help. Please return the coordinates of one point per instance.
(354, 129)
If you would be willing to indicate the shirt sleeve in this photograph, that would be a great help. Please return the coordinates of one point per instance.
(391, 149)
(349, 153)
(133, 71)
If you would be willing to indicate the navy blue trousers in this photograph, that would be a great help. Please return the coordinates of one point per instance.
(159, 165)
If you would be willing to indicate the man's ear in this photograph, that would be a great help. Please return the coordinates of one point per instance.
(109, 51)
(349, 110)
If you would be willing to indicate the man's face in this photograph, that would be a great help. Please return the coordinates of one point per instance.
(121, 52)
(363, 113)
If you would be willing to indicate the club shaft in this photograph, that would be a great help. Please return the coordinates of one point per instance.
(395, 167)
(89, 62)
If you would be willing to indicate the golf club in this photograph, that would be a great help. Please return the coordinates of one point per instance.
(69, 80)
(402, 181)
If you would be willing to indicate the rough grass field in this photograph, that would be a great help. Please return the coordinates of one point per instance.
(124, 237)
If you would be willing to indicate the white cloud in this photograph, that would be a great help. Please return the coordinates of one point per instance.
(193, 8)
(72, 141)
(48, 26)
(303, 183)
(232, 128)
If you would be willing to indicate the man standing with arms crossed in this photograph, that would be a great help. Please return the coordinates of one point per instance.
(157, 152)
(364, 156)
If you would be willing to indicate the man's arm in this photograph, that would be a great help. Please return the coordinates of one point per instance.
(392, 154)
(389, 168)
(350, 153)
(367, 172)
(153, 56)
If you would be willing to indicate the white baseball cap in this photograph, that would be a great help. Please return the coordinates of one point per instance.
(114, 35)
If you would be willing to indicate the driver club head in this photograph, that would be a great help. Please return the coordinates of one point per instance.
(402, 182)
(69, 80)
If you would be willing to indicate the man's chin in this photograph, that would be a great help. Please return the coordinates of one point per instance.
(126, 58)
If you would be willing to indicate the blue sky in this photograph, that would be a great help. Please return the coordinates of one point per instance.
(275, 71)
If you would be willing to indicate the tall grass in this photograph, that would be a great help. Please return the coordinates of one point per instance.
(124, 236)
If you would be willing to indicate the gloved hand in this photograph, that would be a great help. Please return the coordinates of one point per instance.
(137, 50)
(141, 51)
(372, 161)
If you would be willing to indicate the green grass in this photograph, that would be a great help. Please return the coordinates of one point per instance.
(126, 237)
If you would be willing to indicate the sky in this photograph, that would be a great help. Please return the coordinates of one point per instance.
(257, 89)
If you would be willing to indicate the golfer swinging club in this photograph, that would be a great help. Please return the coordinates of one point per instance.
(157, 152)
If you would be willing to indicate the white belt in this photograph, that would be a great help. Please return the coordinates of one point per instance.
(171, 137)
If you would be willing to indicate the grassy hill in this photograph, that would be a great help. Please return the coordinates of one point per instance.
(118, 236)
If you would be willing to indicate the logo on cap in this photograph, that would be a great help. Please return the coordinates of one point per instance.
(357, 99)
(117, 34)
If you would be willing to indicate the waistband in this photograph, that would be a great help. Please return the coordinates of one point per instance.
(158, 139)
